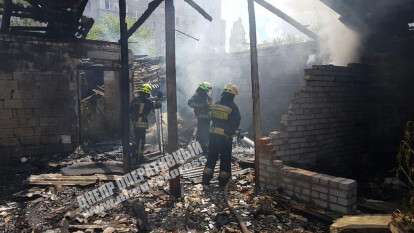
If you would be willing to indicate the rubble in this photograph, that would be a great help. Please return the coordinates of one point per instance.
(54, 208)
(377, 206)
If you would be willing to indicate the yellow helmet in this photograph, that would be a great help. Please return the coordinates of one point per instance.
(232, 89)
(145, 88)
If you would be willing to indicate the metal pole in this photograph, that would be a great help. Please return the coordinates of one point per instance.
(172, 145)
(124, 85)
(255, 87)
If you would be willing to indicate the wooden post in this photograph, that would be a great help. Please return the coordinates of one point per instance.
(124, 85)
(172, 144)
(255, 87)
(5, 21)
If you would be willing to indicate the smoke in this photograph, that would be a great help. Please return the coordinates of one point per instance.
(202, 56)
(197, 59)
(338, 44)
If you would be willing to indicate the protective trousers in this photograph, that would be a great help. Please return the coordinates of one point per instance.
(203, 128)
(140, 134)
(219, 147)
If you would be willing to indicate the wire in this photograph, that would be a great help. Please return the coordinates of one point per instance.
(187, 35)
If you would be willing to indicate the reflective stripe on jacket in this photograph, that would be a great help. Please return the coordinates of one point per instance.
(225, 117)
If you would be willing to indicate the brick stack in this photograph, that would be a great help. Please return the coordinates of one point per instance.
(323, 191)
(327, 121)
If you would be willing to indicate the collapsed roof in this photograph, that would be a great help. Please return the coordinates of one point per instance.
(62, 19)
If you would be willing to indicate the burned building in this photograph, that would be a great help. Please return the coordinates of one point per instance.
(325, 141)
(41, 69)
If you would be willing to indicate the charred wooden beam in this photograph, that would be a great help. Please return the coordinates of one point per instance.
(27, 28)
(199, 9)
(172, 144)
(81, 9)
(151, 8)
(61, 22)
(86, 25)
(124, 85)
(254, 68)
(288, 19)
(5, 22)
(44, 14)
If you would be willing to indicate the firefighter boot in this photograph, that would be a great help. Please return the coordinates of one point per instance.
(207, 176)
(224, 178)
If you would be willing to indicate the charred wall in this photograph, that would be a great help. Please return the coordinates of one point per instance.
(390, 62)
(39, 96)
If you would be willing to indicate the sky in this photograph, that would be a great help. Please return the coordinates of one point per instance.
(269, 26)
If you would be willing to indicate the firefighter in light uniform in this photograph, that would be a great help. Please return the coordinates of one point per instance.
(225, 120)
(141, 107)
(201, 102)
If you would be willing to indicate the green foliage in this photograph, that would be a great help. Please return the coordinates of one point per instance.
(107, 28)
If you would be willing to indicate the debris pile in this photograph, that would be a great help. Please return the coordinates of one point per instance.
(52, 207)
(148, 70)
(93, 115)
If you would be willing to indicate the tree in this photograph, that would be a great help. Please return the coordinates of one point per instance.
(106, 28)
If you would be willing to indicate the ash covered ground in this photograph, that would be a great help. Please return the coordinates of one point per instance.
(54, 209)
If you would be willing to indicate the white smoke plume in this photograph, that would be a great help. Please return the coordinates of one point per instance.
(339, 45)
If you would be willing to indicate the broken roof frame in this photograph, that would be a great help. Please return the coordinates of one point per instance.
(152, 6)
(62, 19)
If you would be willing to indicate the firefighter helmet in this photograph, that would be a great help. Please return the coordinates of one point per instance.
(232, 89)
(145, 88)
(205, 86)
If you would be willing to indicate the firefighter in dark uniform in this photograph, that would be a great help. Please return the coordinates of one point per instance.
(225, 118)
(141, 107)
(201, 102)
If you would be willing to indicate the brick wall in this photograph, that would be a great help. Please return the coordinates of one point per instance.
(326, 126)
(323, 191)
(39, 93)
(38, 96)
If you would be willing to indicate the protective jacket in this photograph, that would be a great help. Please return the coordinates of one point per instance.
(225, 117)
(200, 102)
(141, 107)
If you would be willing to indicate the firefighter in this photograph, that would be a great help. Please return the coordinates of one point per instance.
(201, 102)
(141, 107)
(225, 118)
